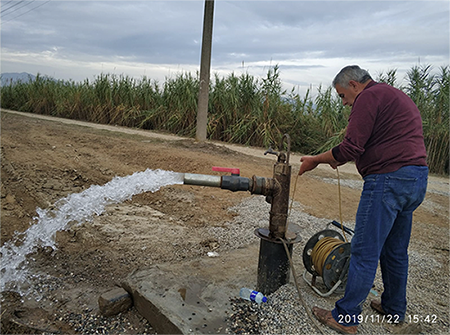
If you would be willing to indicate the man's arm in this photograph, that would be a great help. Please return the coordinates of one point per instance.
(310, 162)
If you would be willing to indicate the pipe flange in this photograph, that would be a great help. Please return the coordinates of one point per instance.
(290, 238)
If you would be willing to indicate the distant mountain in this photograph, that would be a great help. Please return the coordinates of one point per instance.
(14, 77)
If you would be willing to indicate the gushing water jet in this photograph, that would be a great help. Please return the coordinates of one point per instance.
(74, 209)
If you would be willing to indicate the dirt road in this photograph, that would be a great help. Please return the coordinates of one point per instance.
(45, 159)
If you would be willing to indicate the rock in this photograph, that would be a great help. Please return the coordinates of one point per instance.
(10, 199)
(114, 302)
(53, 185)
(408, 328)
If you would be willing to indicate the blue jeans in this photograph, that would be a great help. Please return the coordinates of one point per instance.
(382, 232)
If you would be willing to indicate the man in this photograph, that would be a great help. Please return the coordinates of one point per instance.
(384, 137)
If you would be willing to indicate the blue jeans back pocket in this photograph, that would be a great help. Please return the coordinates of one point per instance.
(400, 193)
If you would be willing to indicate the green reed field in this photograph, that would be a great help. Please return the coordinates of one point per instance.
(242, 109)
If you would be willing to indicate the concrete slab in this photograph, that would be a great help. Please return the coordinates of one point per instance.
(193, 296)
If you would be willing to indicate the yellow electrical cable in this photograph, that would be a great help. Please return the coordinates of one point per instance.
(323, 248)
(308, 311)
(292, 202)
(340, 204)
(321, 251)
(326, 245)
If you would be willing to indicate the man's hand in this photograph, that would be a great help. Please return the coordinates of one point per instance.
(310, 162)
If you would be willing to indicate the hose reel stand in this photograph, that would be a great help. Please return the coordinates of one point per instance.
(335, 263)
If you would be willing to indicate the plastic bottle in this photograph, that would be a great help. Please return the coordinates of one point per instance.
(251, 295)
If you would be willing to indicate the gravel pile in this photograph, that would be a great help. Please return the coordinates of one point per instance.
(285, 313)
(253, 213)
(89, 322)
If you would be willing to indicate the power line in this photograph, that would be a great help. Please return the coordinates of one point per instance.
(42, 4)
(8, 3)
(6, 9)
(24, 5)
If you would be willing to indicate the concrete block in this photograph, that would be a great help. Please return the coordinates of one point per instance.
(192, 297)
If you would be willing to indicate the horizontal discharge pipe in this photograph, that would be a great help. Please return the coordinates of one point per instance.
(202, 180)
(231, 183)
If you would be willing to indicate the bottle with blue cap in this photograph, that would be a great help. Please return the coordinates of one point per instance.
(251, 295)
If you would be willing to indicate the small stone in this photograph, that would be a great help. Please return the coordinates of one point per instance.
(114, 302)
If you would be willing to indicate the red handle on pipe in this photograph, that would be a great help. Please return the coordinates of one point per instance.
(234, 171)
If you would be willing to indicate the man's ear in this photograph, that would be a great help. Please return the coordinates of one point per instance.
(353, 84)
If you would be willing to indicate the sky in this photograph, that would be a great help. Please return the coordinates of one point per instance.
(310, 41)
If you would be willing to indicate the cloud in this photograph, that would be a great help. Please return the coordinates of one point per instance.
(309, 40)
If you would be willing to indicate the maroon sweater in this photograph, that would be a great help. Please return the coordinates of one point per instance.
(384, 132)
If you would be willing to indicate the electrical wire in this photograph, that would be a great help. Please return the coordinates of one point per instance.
(24, 5)
(12, 6)
(42, 4)
(292, 201)
(340, 204)
(321, 251)
(323, 248)
(3, 5)
(294, 275)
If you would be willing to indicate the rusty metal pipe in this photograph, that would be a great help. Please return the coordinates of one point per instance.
(273, 264)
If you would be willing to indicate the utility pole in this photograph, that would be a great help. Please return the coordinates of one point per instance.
(205, 65)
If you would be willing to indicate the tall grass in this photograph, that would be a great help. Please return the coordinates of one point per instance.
(242, 109)
(430, 92)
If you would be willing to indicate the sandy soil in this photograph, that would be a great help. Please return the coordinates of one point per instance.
(45, 160)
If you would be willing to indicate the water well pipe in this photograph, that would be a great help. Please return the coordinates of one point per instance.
(273, 264)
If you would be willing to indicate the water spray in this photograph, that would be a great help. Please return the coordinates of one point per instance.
(72, 210)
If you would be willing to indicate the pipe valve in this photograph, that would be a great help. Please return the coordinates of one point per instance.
(234, 171)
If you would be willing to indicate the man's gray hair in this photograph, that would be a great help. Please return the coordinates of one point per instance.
(351, 72)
